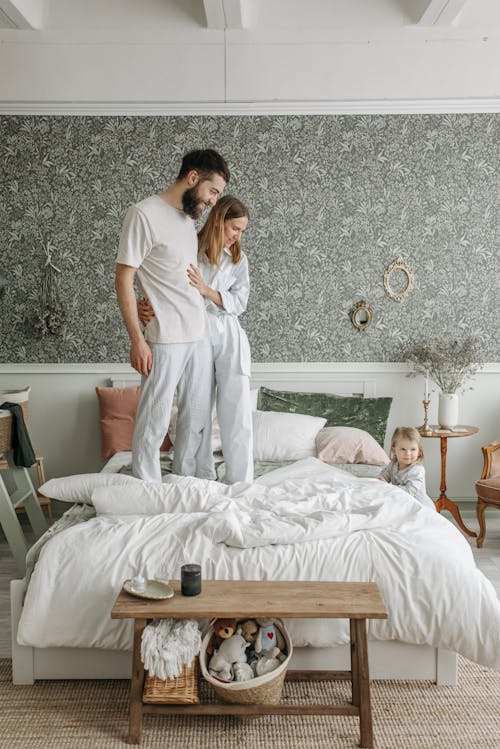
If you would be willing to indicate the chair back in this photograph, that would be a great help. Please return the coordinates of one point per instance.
(491, 455)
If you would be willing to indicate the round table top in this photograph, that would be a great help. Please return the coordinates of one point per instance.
(461, 430)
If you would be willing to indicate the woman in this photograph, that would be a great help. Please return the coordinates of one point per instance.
(222, 279)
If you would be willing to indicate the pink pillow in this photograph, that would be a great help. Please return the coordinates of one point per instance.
(349, 445)
(117, 408)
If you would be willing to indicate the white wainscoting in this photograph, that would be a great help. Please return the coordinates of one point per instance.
(65, 419)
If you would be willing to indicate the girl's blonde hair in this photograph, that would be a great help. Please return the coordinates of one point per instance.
(211, 236)
(408, 433)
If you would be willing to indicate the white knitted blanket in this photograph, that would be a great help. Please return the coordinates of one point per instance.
(168, 644)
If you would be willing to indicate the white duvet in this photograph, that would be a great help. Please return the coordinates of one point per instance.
(305, 521)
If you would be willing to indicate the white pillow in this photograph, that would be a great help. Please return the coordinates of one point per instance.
(254, 397)
(79, 488)
(284, 436)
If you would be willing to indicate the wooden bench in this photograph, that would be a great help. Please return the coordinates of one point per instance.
(243, 598)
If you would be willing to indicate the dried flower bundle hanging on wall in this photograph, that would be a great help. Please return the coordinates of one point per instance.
(52, 315)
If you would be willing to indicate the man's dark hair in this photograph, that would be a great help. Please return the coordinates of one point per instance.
(205, 161)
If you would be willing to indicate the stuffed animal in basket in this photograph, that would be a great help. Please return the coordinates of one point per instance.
(231, 651)
(269, 640)
(242, 671)
(249, 630)
(223, 629)
(269, 647)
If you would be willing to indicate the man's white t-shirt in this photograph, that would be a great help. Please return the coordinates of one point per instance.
(161, 241)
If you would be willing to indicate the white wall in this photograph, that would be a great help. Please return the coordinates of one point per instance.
(65, 420)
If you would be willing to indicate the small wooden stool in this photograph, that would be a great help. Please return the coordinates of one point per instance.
(44, 502)
(24, 495)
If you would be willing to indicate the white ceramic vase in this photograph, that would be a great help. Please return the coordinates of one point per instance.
(448, 410)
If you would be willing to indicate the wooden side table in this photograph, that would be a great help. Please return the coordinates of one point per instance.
(246, 598)
(443, 502)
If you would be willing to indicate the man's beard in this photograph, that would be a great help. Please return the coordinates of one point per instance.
(191, 203)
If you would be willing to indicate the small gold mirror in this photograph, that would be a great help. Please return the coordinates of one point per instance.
(361, 315)
(398, 266)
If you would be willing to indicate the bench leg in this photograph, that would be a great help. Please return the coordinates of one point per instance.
(136, 686)
(365, 710)
(354, 664)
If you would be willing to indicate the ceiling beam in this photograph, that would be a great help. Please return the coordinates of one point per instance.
(24, 14)
(214, 12)
(442, 12)
(231, 14)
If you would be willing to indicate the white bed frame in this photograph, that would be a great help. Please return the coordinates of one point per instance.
(388, 659)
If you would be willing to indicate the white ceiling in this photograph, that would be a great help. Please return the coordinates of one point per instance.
(349, 16)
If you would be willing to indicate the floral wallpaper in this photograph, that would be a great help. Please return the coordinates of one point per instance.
(333, 201)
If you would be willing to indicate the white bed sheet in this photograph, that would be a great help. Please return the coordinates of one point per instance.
(362, 470)
(423, 565)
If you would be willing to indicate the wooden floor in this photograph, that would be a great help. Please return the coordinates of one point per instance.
(487, 559)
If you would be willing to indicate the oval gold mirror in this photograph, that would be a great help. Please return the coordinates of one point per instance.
(361, 315)
(398, 267)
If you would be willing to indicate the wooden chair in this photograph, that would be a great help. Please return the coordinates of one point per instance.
(488, 486)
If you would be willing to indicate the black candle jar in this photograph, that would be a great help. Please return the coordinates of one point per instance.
(190, 579)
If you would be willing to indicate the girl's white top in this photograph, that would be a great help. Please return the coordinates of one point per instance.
(411, 479)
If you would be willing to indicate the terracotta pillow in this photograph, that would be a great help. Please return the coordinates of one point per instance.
(117, 408)
(349, 445)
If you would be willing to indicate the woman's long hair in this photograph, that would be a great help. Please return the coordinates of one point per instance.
(211, 235)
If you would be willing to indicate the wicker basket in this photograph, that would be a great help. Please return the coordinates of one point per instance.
(262, 690)
(183, 690)
(6, 426)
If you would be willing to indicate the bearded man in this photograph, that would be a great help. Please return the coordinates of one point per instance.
(158, 242)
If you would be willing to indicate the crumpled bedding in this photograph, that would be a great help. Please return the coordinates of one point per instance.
(304, 521)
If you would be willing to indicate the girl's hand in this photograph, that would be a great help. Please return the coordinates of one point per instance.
(196, 280)
(145, 311)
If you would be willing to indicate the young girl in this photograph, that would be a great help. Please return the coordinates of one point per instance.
(406, 469)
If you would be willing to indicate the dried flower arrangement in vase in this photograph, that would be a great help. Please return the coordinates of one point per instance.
(449, 364)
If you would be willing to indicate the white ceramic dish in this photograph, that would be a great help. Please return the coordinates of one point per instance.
(154, 589)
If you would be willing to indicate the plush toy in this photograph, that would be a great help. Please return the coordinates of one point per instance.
(265, 664)
(231, 651)
(269, 642)
(249, 629)
(242, 671)
(223, 629)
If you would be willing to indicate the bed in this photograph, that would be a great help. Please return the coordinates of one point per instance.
(343, 526)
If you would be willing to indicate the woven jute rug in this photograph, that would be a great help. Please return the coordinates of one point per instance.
(406, 715)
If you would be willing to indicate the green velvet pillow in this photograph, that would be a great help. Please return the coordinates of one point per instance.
(370, 414)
